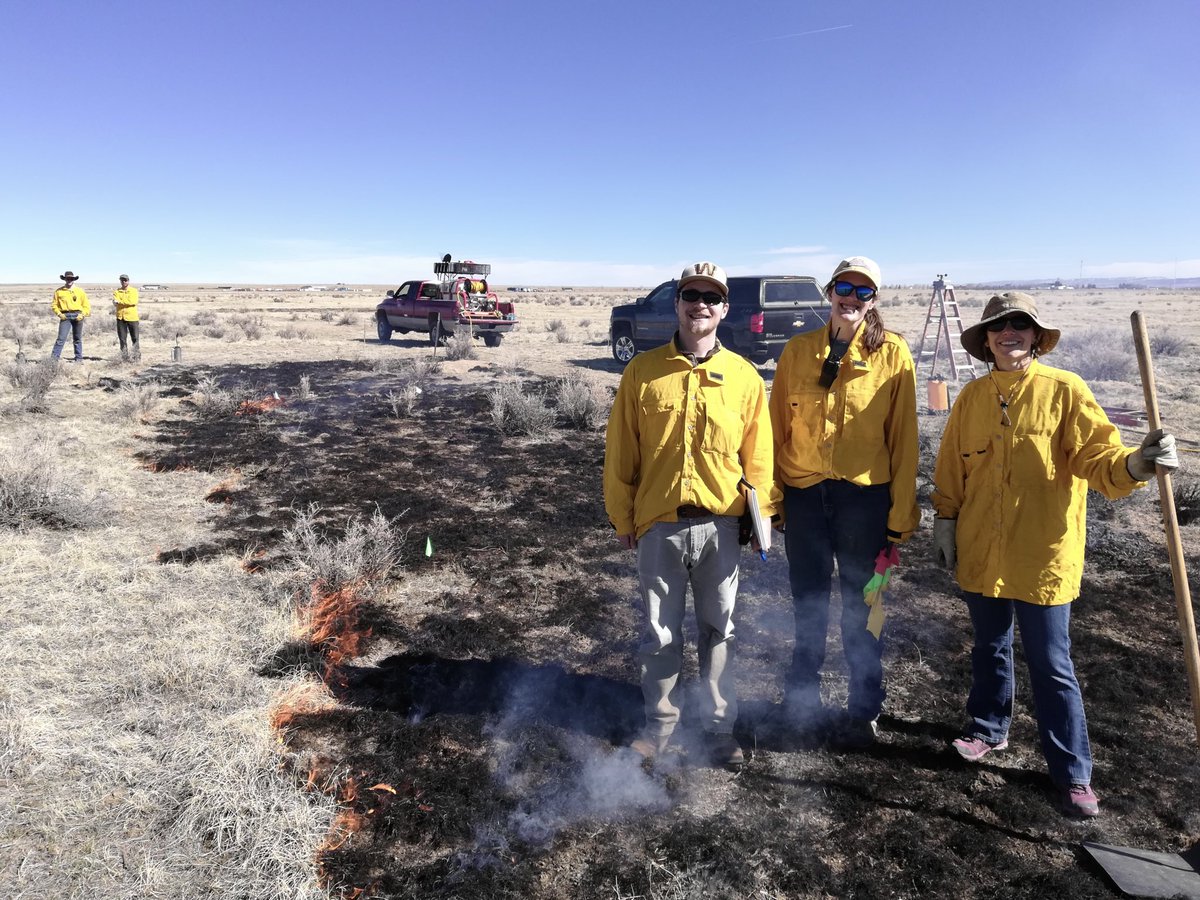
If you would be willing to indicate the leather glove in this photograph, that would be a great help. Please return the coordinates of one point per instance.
(945, 542)
(1158, 448)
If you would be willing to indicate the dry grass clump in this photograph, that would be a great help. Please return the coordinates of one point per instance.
(516, 411)
(347, 318)
(461, 345)
(212, 400)
(292, 333)
(138, 402)
(169, 326)
(203, 318)
(33, 380)
(580, 403)
(362, 557)
(251, 326)
(1097, 354)
(36, 487)
(216, 330)
(402, 402)
(1166, 343)
(304, 388)
(1187, 500)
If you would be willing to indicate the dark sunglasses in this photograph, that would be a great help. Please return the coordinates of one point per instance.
(691, 295)
(861, 291)
(1016, 323)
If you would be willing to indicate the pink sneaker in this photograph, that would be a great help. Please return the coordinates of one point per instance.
(1079, 800)
(973, 749)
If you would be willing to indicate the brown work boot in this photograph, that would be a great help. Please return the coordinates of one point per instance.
(724, 750)
(649, 745)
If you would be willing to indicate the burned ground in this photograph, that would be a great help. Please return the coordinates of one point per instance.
(480, 739)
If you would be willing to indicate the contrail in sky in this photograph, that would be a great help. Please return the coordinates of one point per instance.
(780, 37)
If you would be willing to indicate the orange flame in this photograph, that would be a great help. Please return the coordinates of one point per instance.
(254, 407)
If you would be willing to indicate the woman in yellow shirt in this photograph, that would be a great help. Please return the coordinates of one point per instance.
(1021, 448)
(844, 416)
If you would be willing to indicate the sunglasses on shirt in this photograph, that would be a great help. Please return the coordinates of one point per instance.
(691, 295)
(861, 291)
(1016, 323)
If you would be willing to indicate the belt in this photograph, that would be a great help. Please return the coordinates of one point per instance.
(692, 512)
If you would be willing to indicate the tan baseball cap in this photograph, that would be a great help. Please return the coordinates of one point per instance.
(860, 264)
(710, 273)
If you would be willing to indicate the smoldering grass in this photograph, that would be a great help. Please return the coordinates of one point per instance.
(579, 402)
(519, 412)
(138, 402)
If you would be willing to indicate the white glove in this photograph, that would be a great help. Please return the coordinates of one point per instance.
(1158, 448)
(945, 542)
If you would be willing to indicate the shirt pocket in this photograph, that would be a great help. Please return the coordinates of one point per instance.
(721, 426)
(662, 420)
(807, 409)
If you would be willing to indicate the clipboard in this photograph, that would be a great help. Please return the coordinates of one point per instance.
(762, 528)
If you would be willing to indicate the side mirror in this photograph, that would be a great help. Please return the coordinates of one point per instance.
(391, 294)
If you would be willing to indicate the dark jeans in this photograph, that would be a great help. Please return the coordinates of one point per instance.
(128, 331)
(1057, 702)
(74, 328)
(835, 519)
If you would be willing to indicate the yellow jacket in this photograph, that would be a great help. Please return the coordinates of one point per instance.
(126, 302)
(679, 435)
(70, 299)
(1019, 491)
(863, 429)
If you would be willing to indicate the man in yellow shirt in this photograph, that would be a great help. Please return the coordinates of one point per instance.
(689, 421)
(71, 307)
(125, 299)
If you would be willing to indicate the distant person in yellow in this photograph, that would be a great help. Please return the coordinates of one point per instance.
(1020, 451)
(71, 306)
(125, 299)
(844, 415)
(689, 421)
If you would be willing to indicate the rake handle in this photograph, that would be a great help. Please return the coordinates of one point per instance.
(1166, 496)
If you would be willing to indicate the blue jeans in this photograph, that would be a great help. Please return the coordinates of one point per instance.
(1057, 702)
(73, 327)
(835, 519)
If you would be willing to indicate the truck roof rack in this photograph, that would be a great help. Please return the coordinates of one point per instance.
(461, 267)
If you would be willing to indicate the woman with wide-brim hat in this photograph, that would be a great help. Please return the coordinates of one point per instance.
(844, 416)
(71, 306)
(1021, 448)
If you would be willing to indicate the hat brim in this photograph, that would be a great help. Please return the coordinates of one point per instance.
(866, 273)
(722, 289)
(974, 339)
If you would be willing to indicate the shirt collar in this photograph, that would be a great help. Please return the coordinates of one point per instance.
(691, 357)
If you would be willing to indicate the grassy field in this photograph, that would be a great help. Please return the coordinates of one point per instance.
(281, 625)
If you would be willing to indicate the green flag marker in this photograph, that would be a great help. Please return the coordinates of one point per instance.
(428, 547)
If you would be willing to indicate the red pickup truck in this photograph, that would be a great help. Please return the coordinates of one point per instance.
(458, 297)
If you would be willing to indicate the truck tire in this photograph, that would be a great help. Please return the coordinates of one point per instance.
(623, 347)
(492, 339)
(437, 334)
(383, 328)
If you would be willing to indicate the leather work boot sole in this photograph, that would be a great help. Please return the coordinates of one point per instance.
(649, 746)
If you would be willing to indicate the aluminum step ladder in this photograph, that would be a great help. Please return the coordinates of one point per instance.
(946, 321)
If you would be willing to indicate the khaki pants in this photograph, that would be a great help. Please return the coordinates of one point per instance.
(702, 553)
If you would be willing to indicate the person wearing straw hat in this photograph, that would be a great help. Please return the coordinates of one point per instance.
(71, 307)
(125, 300)
(844, 415)
(1021, 448)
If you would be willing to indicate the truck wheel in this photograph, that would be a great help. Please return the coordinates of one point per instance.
(492, 340)
(383, 328)
(437, 334)
(623, 347)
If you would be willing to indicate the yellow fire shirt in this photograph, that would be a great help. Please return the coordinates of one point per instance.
(1019, 491)
(679, 435)
(70, 299)
(863, 429)
(126, 300)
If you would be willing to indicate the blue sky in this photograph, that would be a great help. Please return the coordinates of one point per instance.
(594, 143)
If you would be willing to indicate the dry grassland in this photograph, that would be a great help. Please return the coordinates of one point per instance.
(137, 753)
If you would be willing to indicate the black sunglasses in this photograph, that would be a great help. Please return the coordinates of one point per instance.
(861, 291)
(691, 295)
(1017, 323)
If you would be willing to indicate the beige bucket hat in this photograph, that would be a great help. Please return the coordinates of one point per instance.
(974, 339)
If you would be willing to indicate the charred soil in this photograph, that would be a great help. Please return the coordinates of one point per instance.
(478, 743)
